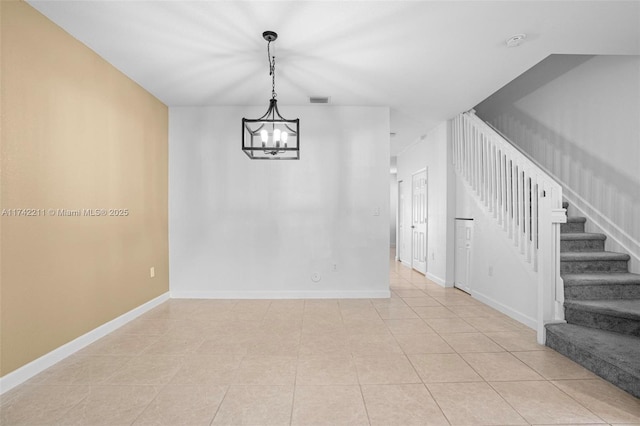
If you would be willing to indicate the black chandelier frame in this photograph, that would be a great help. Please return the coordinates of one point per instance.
(252, 144)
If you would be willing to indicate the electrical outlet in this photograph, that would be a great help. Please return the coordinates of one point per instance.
(335, 267)
(152, 272)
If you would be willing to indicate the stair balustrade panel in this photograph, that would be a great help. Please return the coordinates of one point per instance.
(523, 200)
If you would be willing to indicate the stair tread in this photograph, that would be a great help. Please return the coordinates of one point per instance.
(582, 236)
(576, 219)
(620, 350)
(597, 278)
(602, 307)
(623, 308)
(592, 255)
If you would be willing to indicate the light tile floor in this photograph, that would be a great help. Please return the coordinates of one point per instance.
(427, 355)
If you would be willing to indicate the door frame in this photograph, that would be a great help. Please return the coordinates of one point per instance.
(426, 219)
(398, 210)
(468, 287)
(401, 236)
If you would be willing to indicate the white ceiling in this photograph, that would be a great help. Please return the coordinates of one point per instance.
(426, 60)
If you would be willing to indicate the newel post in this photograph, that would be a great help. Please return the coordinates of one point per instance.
(550, 284)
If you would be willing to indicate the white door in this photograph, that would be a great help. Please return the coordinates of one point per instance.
(464, 245)
(419, 222)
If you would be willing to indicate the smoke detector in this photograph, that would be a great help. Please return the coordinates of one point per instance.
(516, 40)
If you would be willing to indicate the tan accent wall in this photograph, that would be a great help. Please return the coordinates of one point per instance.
(75, 134)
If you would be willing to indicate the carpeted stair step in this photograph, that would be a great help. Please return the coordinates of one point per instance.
(574, 224)
(621, 316)
(581, 241)
(593, 262)
(612, 356)
(601, 286)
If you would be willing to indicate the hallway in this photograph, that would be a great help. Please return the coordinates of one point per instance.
(427, 355)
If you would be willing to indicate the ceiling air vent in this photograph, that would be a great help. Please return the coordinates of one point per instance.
(318, 100)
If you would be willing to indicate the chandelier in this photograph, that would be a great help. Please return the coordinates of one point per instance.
(271, 137)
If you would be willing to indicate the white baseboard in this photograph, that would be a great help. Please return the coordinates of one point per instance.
(36, 366)
(518, 316)
(379, 294)
(436, 279)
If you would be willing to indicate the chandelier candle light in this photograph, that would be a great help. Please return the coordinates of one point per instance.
(271, 137)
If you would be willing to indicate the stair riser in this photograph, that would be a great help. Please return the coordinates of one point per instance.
(572, 227)
(602, 291)
(581, 245)
(587, 266)
(602, 321)
(605, 370)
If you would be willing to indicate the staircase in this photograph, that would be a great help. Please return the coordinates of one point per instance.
(602, 308)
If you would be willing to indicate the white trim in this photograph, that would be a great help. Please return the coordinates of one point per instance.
(598, 219)
(396, 243)
(36, 366)
(379, 294)
(518, 316)
(426, 219)
(515, 249)
(604, 225)
(436, 279)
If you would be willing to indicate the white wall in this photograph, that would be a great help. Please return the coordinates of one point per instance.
(579, 116)
(510, 286)
(252, 229)
(432, 152)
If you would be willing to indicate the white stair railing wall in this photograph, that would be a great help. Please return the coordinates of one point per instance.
(524, 201)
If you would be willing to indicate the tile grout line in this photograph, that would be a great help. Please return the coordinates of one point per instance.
(341, 312)
(295, 377)
(415, 369)
(148, 404)
(575, 400)
(364, 403)
(507, 402)
(473, 369)
(220, 404)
